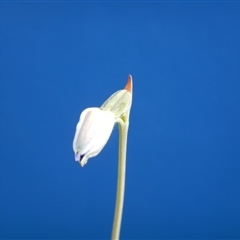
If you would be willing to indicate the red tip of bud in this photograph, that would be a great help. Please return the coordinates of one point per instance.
(128, 86)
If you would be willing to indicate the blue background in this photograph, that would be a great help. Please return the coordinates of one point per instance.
(183, 166)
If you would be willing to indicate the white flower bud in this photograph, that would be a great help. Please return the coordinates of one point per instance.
(95, 124)
(92, 133)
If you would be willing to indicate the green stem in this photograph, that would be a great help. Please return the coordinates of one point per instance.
(123, 132)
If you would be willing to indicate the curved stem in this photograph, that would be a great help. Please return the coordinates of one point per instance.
(123, 131)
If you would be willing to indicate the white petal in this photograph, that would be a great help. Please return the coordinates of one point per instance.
(92, 133)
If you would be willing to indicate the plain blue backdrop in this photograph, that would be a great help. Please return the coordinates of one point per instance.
(183, 166)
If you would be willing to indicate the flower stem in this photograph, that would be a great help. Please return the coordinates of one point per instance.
(123, 132)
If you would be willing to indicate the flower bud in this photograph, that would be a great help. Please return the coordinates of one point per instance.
(95, 124)
(92, 133)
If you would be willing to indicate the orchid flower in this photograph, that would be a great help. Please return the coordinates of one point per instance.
(93, 131)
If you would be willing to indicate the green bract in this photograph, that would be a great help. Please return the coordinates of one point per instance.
(118, 103)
